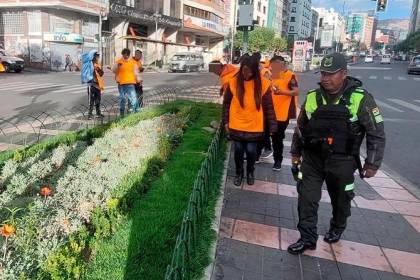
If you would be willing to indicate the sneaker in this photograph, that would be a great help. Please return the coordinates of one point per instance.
(266, 153)
(277, 166)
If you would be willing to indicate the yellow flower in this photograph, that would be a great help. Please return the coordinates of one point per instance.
(112, 203)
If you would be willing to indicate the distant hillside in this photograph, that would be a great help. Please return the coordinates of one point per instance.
(395, 24)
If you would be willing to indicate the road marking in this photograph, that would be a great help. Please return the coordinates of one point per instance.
(405, 104)
(358, 77)
(373, 77)
(40, 86)
(16, 86)
(416, 79)
(11, 84)
(402, 78)
(31, 85)
(369, 68)
(385, 105)
(70, 88)
(417, 100)
(387, 78)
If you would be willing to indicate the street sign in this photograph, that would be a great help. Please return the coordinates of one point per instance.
(381, 5)
(327, 38)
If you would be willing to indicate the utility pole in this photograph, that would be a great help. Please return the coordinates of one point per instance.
(233, 30)
(100, 36)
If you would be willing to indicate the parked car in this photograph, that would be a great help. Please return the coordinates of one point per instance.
(369, 59)
(414, 66)
(11, 63)
(386, 58)
(186, 62)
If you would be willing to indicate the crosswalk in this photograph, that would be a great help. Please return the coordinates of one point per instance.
(51, 87)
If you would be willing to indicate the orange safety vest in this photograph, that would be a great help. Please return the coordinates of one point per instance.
(281, 103)
(229, 72)
(248, 118)
(2, 67)
(125, 74)
(98, 77)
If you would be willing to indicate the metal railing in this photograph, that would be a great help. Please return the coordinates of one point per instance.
(187, 240)
(32, 128)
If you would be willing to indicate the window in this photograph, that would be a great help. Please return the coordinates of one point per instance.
(58, 24)
(259, 7)
(264, 10)
(90, 28)
(35, 26)
(294, 10)
(292, 28)
(293, 19)
(12, 23)
(258, 20)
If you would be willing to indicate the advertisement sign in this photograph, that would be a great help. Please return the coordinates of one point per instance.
(300, 49)
(64, 37)
(327, 38)
(207, 24)
(141, 16)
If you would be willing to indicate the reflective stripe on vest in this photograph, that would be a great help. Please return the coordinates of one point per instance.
(248, 118)
(281, 103)
(355, 99)
(126, 74)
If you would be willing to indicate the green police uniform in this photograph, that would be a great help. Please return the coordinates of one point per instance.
(329, 134)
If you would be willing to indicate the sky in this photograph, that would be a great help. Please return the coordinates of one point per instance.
(399, 9)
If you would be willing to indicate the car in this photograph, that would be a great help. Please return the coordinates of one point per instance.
(414, 66)
(369, 59)
(186, 62)
(11, 63)
(386, 58)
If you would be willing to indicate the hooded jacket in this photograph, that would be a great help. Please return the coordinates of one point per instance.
(370, 123)
(87, 73)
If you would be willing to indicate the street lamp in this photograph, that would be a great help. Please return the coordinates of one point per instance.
(102, 16)
(157, 16)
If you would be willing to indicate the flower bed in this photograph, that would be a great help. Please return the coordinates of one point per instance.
(57, 203)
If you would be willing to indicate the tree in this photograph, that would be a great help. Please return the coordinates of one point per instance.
(260, 39)
(278, 44)
(238, 40)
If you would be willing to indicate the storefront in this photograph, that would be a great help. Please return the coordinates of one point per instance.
(64, 48)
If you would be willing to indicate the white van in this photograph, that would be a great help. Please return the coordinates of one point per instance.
(386, 58)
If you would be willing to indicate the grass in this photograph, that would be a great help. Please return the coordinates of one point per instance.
(143, 244)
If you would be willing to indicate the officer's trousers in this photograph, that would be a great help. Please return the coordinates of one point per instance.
(337, 171)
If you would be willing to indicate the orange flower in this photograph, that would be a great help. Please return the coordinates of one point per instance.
(7, 230)
(45, 191)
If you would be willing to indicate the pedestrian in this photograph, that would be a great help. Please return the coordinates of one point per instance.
(285, 100)
(225, 71)
(332, 124)
(126, 75)
(247, 101)
(91, 74)
(138, 55)
(68, 62)
(2, 69)
(96, 88)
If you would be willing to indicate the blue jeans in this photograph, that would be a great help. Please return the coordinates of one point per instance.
(130, 92)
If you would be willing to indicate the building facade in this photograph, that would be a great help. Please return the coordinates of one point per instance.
(331, 29)
(261, 12)
(48, 34)
(361, 27)
(415, 17)
(278, 15)
(300, 19)
(314, 24)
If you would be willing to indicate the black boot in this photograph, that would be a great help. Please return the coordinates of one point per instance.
(332, 236)
(250, 178)
(238, 179)
(300, 246)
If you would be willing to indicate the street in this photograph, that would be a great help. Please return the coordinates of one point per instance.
(395, 92)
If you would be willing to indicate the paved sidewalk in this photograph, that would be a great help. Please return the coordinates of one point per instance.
(382, 240)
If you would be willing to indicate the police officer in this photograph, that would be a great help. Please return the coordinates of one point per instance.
(330, 129)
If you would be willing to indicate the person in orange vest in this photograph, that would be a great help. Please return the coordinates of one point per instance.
(247, 102)
(285, 99)
(2, 69)
(127, 76)
(95, 88)
(138, 55)
(226, 72)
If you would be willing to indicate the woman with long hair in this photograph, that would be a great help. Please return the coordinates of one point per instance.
(247, 103)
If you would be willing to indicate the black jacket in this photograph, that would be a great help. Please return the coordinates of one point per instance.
(269, 118)
(370, 124)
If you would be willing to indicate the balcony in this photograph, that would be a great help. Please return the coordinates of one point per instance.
(85, 6)
(204, 26)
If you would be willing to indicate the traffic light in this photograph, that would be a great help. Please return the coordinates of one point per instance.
(381, 5)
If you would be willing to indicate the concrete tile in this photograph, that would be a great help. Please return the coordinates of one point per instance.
(226, 227)
(414, 221)
(361, 255)
(378, 205)
(262, 186)
(383, 182)
(406, 208)
(287, 190)
(223, 272)
(395, 194)
(403, 262)
(257, 234)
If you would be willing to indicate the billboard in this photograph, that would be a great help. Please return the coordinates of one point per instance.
(327, 38)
